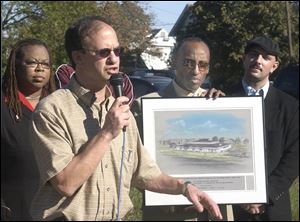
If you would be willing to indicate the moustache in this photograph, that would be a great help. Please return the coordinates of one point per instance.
(255, 66)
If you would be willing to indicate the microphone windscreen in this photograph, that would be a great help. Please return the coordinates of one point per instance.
(116, 81)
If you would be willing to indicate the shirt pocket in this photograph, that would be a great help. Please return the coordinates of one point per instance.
(128, 166)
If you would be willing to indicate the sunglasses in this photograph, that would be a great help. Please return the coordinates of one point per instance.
(191, 64)
(104, 53)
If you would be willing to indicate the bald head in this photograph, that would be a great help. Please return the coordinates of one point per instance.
(191, 61)
(185, 45)
(95, 27)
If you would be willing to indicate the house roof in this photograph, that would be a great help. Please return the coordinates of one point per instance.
(154, 32)
(181, 20)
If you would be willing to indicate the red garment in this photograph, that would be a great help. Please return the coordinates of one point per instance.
(22, 99)
(63, 75)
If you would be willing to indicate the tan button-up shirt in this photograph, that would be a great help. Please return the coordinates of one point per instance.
(62, 125)
(200, 92)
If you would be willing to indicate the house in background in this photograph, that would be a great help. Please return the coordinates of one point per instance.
(183, 20)
(157, 55)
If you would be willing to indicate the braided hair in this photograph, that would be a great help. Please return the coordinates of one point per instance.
(10, 81)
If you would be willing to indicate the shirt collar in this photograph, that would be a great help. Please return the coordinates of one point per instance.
(265, 88)
(185, 93)
(88, 97)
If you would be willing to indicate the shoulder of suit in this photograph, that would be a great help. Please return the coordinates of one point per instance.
(235, 90)
(283, 96)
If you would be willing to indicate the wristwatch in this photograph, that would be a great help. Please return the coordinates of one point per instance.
(184, 189)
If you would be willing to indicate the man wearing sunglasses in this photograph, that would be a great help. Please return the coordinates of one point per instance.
(78, 143)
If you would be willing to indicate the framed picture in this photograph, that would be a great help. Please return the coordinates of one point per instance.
(216, 144)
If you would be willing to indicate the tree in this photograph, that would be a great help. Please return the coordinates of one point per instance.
(237, 140)
(246, 141)
(227, 25)
(222, 140)
(132, 25)
(48, 21)
(14, 15)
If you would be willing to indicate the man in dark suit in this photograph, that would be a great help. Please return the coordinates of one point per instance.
(281, 127)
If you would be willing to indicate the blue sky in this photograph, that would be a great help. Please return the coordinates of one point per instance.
(166, 13)
(204, 124)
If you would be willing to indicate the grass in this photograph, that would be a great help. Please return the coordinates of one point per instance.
(294, 192)
(137, 198)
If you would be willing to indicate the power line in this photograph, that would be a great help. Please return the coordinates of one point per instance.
(165, 24)
(163, 10)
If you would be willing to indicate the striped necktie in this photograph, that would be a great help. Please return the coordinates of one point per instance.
(261, 92)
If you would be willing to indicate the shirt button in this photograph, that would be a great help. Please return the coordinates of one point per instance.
(108, 189)
(107, 212)
(106, 165)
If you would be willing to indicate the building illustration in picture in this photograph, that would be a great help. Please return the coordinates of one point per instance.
(203, 141)
(204, 145)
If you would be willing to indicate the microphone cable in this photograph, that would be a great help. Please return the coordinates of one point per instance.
(120, 178)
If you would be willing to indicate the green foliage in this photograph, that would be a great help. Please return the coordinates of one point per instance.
(227, 25)
(294, 192)
(48, 21)
(136, 213)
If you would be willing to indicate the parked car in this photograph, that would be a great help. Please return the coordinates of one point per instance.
(151, 72)
(143, 85)
(287, 80)
(147, 81)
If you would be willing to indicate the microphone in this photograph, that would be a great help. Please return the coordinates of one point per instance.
(116, 81)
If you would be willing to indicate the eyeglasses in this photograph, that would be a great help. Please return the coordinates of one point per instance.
(34, 64)
(191, 64)
(105, 52)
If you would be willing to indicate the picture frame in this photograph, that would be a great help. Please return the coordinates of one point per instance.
(217, 144)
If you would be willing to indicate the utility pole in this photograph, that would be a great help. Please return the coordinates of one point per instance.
(289, 30)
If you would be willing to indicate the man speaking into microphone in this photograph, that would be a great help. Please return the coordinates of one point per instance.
(78, 144)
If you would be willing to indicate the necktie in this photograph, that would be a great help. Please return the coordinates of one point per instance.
(261, 92)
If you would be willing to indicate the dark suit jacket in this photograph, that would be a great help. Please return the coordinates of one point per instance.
(282, 146)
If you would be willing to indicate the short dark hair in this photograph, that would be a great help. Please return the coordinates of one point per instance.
(77, 32)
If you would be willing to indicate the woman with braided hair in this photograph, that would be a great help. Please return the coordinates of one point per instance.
(27, 79)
